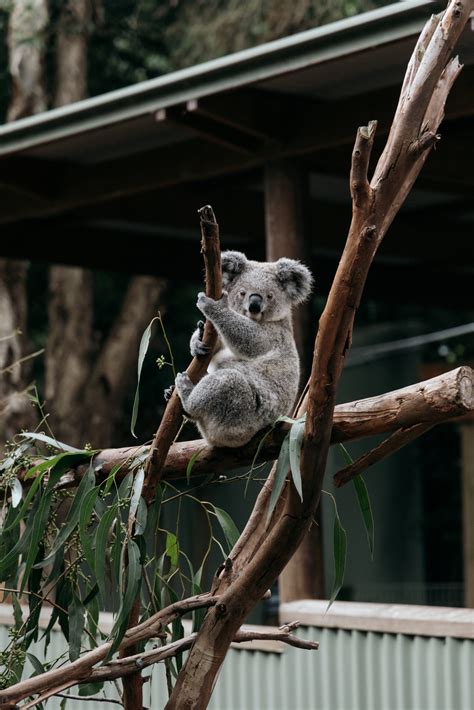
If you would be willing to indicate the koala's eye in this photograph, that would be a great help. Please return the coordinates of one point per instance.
(242, 293)
(269, 296)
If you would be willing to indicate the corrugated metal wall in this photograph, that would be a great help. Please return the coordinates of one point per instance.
(353, 670)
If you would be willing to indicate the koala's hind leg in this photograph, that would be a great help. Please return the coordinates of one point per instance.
(225, 408)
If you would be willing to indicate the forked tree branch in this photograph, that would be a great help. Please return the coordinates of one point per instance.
(263, 550)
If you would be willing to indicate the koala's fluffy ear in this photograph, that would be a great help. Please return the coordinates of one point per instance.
(233, 263)
(295, 279)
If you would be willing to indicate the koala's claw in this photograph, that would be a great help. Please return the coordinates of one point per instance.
(199, 349)
(168, 393)
(183, 383)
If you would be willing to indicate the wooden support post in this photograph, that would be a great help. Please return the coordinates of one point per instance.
(286, 192)
(467, 458)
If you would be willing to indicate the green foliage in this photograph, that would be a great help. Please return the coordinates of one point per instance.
(204, 29)
(103, 549)
(130, 44)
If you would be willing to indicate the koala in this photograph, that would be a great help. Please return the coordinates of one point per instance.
(254, 372)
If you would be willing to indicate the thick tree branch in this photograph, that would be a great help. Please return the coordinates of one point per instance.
(394, 443)
(438, 399)
(435, 400)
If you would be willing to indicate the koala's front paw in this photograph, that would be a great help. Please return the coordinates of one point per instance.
(204, 303)
(208, 305)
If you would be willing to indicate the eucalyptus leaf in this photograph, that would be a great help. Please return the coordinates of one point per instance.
(111, 478)
(190, 465)
(37, 531)
(85, 517)
(14, 455)
(291, 420)
(295, 446)
(228, 526)
(85, 486)
(257, 454)
(339, 552)
(142, 351)
(141, 517)
(136, 493)
(56, 466)
(17, 492)
(87, 689)
(10, 557)
(282, 469)
(134, 574)
(101, 540)
(364, 502)
(37, 436)
(125, 486)
(366, 511)
(172, 549)
(38, 667)
(76, 613)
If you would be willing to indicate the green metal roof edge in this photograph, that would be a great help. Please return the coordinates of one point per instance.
(336, 39)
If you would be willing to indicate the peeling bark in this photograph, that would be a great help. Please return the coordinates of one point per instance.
(27, 41)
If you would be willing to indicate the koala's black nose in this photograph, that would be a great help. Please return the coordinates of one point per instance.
(255, 303)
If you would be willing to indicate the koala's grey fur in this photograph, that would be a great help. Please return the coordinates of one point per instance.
(253, 375)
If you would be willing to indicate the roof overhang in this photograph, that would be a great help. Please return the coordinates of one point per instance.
(136, 161)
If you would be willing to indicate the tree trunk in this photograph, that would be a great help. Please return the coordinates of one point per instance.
(74, 27)
(27, 40)
(26, 45)
(68, 350)
(115, 365)
(16, 411)
(86, 390)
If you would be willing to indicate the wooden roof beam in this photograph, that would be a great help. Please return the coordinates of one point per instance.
(211, 126)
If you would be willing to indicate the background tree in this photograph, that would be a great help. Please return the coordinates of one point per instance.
(87, 382)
